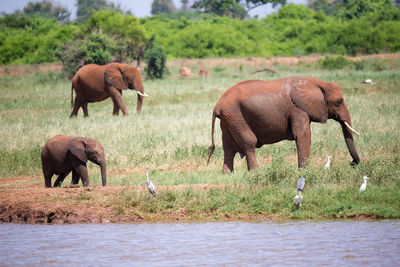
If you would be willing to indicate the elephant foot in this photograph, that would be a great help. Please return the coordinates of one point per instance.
(226, 170)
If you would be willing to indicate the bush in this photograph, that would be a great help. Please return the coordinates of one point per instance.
(294, 30)
(332, 63)
(96, 49)
(155, 58)
(75, 54)
(128, 36)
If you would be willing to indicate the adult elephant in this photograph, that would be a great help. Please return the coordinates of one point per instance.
(94, 83)
(63, 154)
(255, 112)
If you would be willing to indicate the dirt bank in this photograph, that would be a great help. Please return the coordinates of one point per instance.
(25, 200)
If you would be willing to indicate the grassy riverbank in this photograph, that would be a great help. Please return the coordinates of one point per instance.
(172, 136)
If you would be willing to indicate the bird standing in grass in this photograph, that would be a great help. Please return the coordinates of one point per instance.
(368, 81)
(150, 185)
(364, 185)
(300, 185)
(328, 164)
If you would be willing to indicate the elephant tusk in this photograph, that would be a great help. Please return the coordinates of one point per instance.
(142, 94)
(348, 126)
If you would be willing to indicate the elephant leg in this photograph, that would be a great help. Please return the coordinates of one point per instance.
(61, 178)
(245, 142)
(77, 105)
(116, 96)
(251, 159)
(229, 156)
(229, 152)
(47, 178)
(116, 107)
(85, 110)
(300, 123)
(81, 170)
(75, 177)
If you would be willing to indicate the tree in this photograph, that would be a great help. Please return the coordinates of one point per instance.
(95, 48)
(327, 6)
(230, 8)
(47, 9)
(162, 6)
(186, 7)
(155, 57)
(129, 37)
(87, 7)
(355, 9)
(251, 4)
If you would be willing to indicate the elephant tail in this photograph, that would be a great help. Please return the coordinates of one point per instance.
(212, 146)
(72, 95)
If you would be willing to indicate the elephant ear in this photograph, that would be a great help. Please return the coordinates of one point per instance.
(310, 98)
(77, 147)
(114, 76)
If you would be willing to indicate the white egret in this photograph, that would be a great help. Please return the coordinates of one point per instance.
(364, 185)
(300, 186)
(368, 81)
(150, 185)
(328, 164)
(297, 199)
(300, 183)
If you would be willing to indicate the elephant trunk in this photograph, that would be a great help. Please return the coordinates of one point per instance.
(348, 137)
(103, 173)
(141, 94)
(139, 103)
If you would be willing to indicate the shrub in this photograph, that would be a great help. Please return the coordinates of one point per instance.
(75, 54)
(374, 65)
(332, 63)
(155, 57)
(128, 36)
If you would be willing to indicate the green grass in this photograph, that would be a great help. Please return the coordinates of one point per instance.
(172, 136)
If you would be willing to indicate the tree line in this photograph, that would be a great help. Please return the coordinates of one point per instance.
(103, 32)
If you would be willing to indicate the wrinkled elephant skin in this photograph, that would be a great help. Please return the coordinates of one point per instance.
(254, 112)
(94, 83)
(63, 154)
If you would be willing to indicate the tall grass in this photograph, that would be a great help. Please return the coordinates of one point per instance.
(172, 136)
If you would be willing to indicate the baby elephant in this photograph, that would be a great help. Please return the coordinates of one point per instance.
(63, 154)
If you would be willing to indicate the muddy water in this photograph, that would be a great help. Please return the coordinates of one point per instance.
(232, 243)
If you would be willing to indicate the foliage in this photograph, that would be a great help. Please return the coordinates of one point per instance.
(380, 10)
(87, 7)
(155, 58)
(355, 9)
(256, 3)
(47, 9)
(162, 6)
(331, 63)
(231, 8)
(94, 49)
(293, 30)
(26, 39)
(327, 6)
(185, 5)
(128, 36)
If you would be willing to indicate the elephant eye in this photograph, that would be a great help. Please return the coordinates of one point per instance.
(339, 102)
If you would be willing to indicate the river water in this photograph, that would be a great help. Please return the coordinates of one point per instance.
(303, 243)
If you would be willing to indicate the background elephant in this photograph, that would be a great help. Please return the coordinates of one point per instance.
(255, 112)
(63, 154)
(93, 83)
